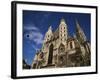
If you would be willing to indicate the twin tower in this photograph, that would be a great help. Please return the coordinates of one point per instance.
(62, 32)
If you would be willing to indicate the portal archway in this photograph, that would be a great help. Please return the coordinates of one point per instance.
(50, 54)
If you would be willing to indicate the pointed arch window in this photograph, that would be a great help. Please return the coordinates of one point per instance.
(71, 45)
(61, 35)
(61, 48)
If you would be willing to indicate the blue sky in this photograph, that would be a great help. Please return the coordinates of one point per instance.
(36, 23)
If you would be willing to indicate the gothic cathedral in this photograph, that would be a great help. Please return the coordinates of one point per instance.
(59, 49)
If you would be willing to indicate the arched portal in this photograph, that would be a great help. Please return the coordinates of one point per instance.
(50, 54)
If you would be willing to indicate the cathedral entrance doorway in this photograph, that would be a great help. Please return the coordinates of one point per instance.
(50, 54)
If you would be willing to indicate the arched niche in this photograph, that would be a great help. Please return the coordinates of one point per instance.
(61, 48)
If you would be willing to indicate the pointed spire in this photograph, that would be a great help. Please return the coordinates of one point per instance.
(62, 20)
(50, 28)
(77, 25)
(80, 32)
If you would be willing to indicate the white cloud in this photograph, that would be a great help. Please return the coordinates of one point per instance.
(31, 28)
(35, 36)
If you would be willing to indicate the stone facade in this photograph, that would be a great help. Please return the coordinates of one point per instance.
(59, 49)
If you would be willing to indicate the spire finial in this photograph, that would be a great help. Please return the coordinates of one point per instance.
(50, 28)
(62, 19)
(77, 25)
